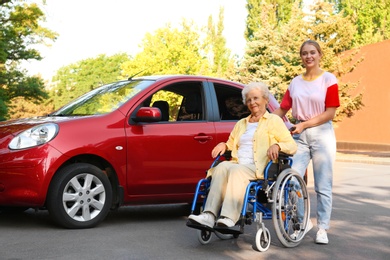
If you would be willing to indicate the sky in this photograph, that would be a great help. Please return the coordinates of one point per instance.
(88, 28)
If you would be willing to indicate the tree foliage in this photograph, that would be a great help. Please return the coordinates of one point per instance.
(183, 50)
(19, 107)
(372, 18)
(76, 79)
(221, 62)
(278, 12)
(20, 30)
(273, 54)
(169, 51)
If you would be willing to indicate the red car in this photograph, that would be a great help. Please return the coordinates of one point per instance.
(146, 140)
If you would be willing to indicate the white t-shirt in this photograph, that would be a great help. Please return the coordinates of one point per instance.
(309, 98)
(245, 145)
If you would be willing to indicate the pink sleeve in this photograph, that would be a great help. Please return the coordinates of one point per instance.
(332, 96)
(286, 103)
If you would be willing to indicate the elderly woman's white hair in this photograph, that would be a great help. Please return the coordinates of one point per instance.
(255, 85)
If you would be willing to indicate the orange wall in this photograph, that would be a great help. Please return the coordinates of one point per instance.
(371, 125)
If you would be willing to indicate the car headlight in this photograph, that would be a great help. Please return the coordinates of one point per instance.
(34, 136)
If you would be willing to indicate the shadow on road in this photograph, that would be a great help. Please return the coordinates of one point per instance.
(41, 218)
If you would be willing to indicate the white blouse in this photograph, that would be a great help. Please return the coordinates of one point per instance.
(245, 145)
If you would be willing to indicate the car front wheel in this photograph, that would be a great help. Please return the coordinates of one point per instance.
(80, 196)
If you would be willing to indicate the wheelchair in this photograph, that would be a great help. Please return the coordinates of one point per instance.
(281, 196)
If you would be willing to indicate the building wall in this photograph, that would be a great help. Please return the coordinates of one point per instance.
(369, 128)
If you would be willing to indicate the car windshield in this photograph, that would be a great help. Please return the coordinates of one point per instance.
(104, 99)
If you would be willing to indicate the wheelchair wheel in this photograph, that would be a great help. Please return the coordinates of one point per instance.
(223, 236)
(291, 208)
(263, 239)
(204, 236)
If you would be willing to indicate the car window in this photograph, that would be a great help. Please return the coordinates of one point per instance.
(104, 99)
(230, 103)
(191, 108)
(167, 101)
(179, 102)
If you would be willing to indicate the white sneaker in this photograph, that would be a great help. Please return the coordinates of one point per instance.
(205, 218)
(225, 222)
(322, 237)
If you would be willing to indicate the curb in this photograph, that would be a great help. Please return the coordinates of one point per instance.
(363, 158)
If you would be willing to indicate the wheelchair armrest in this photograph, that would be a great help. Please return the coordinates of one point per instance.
(273, 169)
(227, 155)
(283, 155)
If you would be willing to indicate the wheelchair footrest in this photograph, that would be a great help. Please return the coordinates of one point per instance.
(235, 230)
(196, 225)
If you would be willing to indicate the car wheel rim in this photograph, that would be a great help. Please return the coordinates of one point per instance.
(84, 197)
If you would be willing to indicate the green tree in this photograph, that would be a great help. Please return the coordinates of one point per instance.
(279, 13)
(273, 54)
(170, 51)
(372, 19)
(21, 108)
(222, 64)
(73, 80)
(20, 30)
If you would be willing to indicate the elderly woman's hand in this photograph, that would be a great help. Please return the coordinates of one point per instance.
(218, 150)
(273, 152)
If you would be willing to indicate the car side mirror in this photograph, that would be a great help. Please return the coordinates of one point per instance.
(148, 114)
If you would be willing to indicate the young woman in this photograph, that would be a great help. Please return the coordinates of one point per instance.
(313, 98)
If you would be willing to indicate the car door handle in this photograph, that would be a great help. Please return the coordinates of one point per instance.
(203, 138)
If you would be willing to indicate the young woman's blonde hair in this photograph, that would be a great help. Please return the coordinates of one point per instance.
(311, 42)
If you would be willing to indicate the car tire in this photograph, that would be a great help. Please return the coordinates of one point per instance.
(80, 196)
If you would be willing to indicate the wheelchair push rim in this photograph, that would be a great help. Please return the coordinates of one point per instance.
(289, 194)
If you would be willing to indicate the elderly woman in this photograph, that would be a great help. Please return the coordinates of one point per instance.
(253, 141)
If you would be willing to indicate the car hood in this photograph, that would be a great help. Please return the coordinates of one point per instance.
(16, 126)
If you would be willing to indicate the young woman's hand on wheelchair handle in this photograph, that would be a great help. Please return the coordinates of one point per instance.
(273, 152)
(219, 149)
(297, 129)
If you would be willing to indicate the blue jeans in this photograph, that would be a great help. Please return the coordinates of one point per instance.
(319, 145)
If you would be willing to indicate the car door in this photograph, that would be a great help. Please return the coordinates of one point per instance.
(167, 158)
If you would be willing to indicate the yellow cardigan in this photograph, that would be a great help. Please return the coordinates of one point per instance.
(270, 130)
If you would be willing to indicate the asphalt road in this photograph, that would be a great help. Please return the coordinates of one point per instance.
(360, 229)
